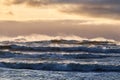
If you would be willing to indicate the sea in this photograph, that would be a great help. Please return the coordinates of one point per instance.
(60, 59)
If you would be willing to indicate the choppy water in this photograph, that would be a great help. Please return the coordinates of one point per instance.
(25, 74)
(61, 55)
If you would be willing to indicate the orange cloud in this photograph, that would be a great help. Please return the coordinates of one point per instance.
(92, 8)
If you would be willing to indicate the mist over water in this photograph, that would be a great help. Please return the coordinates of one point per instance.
(59, 28)
(40, 37)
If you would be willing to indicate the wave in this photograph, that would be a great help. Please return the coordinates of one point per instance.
(68, 53)
(40, 37)
(62, 45)
(59, 65)
(55, 55)
(80, 48)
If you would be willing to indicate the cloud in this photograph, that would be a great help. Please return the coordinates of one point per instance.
(59, 27)
(28, 2)
(93, 8)
(10, 13)
(111, 12)
(78, 2)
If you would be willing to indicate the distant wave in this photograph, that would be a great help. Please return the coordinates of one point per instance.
(39, 37)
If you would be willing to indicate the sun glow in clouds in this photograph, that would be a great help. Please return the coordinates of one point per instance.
(23, 10)
(23, 13)
(86, 18)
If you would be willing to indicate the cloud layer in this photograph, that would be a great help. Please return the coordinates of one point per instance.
(93, 8)
(56, 28)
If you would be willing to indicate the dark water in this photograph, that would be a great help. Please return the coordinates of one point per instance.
(61, 55)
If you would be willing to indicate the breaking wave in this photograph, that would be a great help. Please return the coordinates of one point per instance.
(63, 46)
(62, 64)
(68, 53)
(38, 37)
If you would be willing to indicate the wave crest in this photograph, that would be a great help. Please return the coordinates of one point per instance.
(39, 37)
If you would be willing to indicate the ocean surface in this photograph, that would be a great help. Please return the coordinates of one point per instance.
(60, 59)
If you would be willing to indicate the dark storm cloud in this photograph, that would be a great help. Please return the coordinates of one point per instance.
(94, 8)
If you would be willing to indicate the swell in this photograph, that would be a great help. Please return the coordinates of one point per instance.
(94, 49)
(55, 61)
(57, 55)
(56, 66)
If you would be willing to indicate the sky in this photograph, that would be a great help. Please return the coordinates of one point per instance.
(84, 18)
